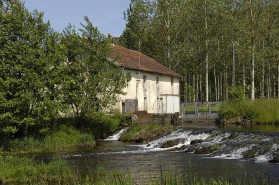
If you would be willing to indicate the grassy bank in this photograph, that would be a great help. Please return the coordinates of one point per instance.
(66, 137)
(26, 170)
(145, 133)
(65, 134)
(261, 111)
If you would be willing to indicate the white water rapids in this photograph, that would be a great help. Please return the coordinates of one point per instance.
(262, 147)
(116, 136)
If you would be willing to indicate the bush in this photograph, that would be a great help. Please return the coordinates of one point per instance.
(101, 125)
(236, 93)
(257, 111)
(64, 138)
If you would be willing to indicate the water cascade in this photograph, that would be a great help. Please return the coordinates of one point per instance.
(255, 146)
(116, 136)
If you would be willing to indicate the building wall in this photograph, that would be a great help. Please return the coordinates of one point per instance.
(151, 91)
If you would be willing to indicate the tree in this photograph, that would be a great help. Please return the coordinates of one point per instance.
(92, 81)
(30, 57)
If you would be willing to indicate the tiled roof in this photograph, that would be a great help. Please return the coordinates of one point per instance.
(130, 59)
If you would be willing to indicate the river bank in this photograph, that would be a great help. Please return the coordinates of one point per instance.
(247, 112)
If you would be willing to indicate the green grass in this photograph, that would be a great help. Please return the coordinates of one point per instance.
(27, 170)
(60, 140)
(257, 111)
(103, 177)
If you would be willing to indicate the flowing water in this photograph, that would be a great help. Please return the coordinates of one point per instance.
(236, 154)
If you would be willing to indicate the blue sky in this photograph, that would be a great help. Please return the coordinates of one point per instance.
(107, 15)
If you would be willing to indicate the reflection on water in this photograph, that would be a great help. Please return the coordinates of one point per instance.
(211, 125)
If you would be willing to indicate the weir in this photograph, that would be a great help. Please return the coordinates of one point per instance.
(225, 144)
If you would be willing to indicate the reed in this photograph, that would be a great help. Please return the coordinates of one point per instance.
(15, 169)
(66, 137)
(260, 111)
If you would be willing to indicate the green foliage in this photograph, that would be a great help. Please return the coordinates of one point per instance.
(30, 57)
(27, 170)
(189, 92)
(257, 111)
(92, 82)
(65, 138)
(45, 76)
(237, 93)
(102, 125)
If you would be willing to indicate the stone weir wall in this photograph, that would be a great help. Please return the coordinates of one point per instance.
(173, 119)
(143, 117)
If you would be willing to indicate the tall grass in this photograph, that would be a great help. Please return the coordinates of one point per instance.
(27, 170)
(103, 177)
(257, 111)
(66, 137)
(15, 169)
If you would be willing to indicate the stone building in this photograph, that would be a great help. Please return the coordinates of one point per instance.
(153, 87)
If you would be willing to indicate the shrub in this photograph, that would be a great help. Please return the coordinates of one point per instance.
(64, 138)
(102, 125)
(257, 111)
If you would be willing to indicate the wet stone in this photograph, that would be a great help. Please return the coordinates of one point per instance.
(234, 135)
(275, 159)
(249, 154)
(189, 149)
(196, 141)
(168, 144)
(208, 150)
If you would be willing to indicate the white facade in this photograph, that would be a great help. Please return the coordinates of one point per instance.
(155, 93)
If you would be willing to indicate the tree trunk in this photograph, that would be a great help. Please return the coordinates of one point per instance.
(262, 86)
(207, 55)
(218, 88)
(215, 86)
(194, 82)
(233, 70)
(278, 82)
(244, 77)
(197, 88)
(201, 94)
(268, 83)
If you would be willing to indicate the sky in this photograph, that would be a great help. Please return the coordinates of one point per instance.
(107, 15)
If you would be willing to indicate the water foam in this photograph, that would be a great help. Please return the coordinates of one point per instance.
(184, 138)
(116, 136)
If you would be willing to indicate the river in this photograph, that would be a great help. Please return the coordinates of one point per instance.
(149, 160)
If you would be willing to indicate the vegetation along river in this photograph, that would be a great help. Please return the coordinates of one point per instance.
(203, 152)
